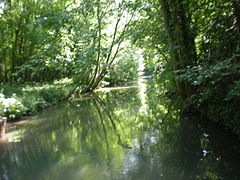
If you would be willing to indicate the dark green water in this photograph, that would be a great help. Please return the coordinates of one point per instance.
(132, 134)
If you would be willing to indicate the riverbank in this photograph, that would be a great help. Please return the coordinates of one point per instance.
(17, 101)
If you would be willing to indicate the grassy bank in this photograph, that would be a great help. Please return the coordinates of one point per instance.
(20, 100)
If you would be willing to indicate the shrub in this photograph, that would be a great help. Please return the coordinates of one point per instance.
(51, 94)
(11, 107)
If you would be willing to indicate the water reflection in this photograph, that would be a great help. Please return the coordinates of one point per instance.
(105, 136)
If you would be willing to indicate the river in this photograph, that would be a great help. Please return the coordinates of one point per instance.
(131, 133)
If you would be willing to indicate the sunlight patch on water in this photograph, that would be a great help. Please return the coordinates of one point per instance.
(107, 89)
(15, 136)
(142, 85)
(142, 90)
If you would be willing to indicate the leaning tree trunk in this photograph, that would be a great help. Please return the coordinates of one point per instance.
(181, 39)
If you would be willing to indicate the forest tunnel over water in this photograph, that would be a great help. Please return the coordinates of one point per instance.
(119, 89)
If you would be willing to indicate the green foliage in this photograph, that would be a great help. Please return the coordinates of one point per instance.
(234, 91)
(217, 29)
(149, 34)
(192, 47)
(217, 90)
(1, 106)
(45, 41)
(125, 68)
(28, 99)
(211, 79)
(51, 94)
(30, 37)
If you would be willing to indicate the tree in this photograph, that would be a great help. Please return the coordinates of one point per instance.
(108, 23)
(181, 38)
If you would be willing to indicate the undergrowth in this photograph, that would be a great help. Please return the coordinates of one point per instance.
(19, 100)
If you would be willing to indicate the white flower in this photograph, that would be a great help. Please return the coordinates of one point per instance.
(12, 116)
(8, 102)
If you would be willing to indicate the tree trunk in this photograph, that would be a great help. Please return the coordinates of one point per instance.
(236, 7)
(14, 56)
(181, 40)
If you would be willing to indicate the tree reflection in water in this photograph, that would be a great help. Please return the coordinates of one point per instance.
(105, 136)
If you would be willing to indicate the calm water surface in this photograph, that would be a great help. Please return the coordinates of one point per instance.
(130, 134)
